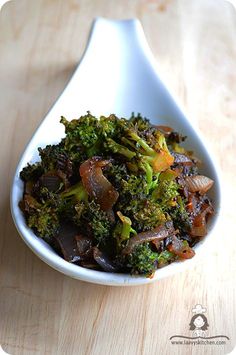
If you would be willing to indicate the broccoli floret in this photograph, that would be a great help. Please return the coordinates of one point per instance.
(83, 132)
(89, 133)
(53, 157)
(44, 221)
(128, 184)
(42, 218)
(68, 201)
(133, 187)
(143, 260)
(166, 193)
(111, 126)
(31, 172)
(44, 214)
(145, 214)
(97, 221)
(140, 123)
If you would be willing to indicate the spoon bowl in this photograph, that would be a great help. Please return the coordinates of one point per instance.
(117, 74)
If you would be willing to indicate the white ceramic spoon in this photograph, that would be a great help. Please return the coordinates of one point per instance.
(118, 75)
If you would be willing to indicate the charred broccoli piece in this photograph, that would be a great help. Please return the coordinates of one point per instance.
(46, 213)
(31, 172)
(51, 156)
(140, 123)
(179, 215)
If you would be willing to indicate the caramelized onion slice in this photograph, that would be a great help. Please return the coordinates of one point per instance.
(198, 183)
(182, 159)
(158, 233)
(84, 247)
(198, 228)
(103, 260)
(179, 248)
(67, 243)
(96, 184)
(166, 130)
(51, 181)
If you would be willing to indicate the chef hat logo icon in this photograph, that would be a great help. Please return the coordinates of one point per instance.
(198, 309)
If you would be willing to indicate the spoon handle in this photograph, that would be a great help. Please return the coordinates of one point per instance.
(118, 69)
(115, 43)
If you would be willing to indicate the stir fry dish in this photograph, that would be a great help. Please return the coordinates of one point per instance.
(117, 195)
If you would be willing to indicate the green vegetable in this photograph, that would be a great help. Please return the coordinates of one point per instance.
(145, 214)
(165, 257)
(165, 193)
(123, 229)
(76, 192)
(31, 172)
(45, 221)
(97, 222)
(143, 260)
(179, 215)
(117, 148)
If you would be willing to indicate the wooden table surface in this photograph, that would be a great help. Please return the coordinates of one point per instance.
(44, 312)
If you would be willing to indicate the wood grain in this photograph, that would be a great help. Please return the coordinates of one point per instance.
(44, 312)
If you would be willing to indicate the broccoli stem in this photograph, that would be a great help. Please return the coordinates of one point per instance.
(144, 165)
(77, 192)
(128, 142)
(118, 148)
(151, 152)
(126, 229)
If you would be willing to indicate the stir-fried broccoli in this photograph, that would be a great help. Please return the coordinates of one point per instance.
(143, 260)
(97, 221)
(31, 172)
(145, 214)
(44, 221)
(114, 183)
(41, 217)
(114, 147)
(82, 133)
